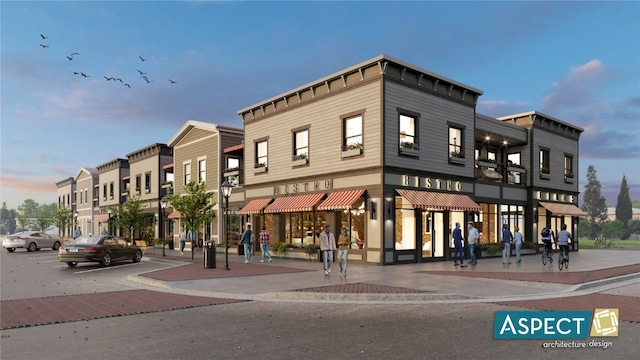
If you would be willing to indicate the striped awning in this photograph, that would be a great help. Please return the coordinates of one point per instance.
(175, 214)
(255, 206)
(341, 200)
(294, 203)
(101, 218)
(563, 209)
(429, 200)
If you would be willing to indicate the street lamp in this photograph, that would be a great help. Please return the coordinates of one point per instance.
(109, 222)
(226, 189)
(163, 206)
(75, 223)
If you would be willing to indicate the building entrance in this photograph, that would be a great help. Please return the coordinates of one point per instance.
(434, 237)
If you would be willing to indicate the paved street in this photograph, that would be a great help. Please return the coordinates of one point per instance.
(288, 307)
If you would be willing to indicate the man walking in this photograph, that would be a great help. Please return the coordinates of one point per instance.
(472, 239)
(247, 239)
(506, 243)
(265, 240)
(327, 245)
(457, 242)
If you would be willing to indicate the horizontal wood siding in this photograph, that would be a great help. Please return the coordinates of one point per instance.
(105, 179)
(141, 168)
(433, 130)
(325, 136)
(558, 145)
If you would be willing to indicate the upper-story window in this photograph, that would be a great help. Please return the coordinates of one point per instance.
(544, 161)
(352, 130)
(408, 132)
(491, 155)
(138, 183)
(514, 160)
(568, 166)
(111, 189)
(104, 191)
(202, 170)
(86, 196)
(301, 144)
(456, 143)
(233, 164)
(186, 167)
(147, 182)
(262, 154)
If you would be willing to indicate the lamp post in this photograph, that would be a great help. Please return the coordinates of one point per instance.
(226, 189)
(163, 206)
(75, 222)
(109, 222)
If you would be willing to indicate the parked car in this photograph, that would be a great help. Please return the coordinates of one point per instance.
(104, 249)
(30, 240)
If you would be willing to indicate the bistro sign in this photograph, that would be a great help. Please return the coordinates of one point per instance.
(543, 195)
(302, 187)
(429, 183)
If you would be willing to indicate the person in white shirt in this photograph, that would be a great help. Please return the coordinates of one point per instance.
(327, 245)
(518, 240)
(472, 239)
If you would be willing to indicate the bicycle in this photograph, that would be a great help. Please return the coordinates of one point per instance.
(546, 254)
(563, 258)
(614, 243)
(599, 242)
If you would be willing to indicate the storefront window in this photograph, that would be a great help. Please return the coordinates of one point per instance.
(302, 229)
(488, 224)
(405, 235)
(512, 215)
(354, 221)
(456, 216)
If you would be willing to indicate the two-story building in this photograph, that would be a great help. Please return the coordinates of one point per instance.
(112, 179)
(86, 204)
(66, 190)
(397, 155)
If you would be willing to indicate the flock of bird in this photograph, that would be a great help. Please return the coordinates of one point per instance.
(70, 57)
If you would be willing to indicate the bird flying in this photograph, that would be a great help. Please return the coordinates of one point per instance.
(44, 46)
(141, 58)
(142, 73)
(74, 54)
(70, 58)
(127, 85)
(43, 37)
(171, 81)
(84, 75)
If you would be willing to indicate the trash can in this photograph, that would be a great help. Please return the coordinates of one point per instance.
(171, 245)
(240, 249)
(209, 255)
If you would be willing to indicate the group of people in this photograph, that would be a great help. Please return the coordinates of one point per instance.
(508, 238)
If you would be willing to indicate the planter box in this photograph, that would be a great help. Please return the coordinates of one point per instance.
(487, 164)
(167, 185)
(516, 169)
(456, 160)
(568, 180)
(231, 173)
(410, 152)
(352, 152)
(300, 162)
(545, 176)
(260, 170)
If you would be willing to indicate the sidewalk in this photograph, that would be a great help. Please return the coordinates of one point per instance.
(300, 280)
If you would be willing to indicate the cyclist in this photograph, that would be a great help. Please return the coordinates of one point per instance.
(547, 236)
(563, 240)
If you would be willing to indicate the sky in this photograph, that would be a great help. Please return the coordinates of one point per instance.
(575, 61)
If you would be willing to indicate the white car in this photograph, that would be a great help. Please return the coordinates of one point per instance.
(30, 240)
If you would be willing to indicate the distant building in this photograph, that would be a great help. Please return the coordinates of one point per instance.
(611, 213)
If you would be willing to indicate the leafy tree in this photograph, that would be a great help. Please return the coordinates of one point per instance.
(584, 229)
(195, 206)
(23, 222)
(63, 218)
(633, 226)
(44, 216)
(4, 218)
(593, 203)
(28, 208)
(128, 217)
(11, 223)
(623, 207)
(613, 228)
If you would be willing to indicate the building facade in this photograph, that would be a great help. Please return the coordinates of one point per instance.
(112, 179)
(86, 196)
(397, 155)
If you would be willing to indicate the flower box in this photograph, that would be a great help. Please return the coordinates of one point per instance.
(410, 152)
(351, 152)
(516, 169)
(299, 162)
(487, 164)
(231, 173)
(456, 160)
(260, 169)
(545, 176)
(568, 180)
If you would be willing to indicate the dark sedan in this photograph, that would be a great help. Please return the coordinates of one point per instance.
(104, 249)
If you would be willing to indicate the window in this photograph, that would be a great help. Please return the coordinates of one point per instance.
(408, 132)
(568, 166)
(456, 143)
(491, 156)
(544, 161)
(233, 164)
(352, 129)
(147, 182)
(261, 154)
(80, 196)
(187, 172)
(202, 170)
(86, 196)
(104, 191)
(514, 161)
(138, 183)
(301, 145)
(111, 190)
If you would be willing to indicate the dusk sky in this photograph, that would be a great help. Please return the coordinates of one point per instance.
(575, 61)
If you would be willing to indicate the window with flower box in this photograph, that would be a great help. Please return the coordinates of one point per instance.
(300, 147)
(261, 155)
(568, 168)
(352, 139)
(408, 134)
(456, 144)
(544, 163)
(186, 175)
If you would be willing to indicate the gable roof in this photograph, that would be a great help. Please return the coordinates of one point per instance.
(87, 170)
(190, 124)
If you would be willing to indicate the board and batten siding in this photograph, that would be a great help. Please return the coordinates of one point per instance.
(190, 149)
(558, 145)
(433, 130)
(323, 118)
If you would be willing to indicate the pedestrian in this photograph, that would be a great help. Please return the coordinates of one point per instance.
(182, 237)
(104, 232)
(78, 233)
(343, 250)
(506, 243)
(547, 237)
(247, 239)
(265, 240)
(327, 246)
(518, 238)
(472, 239)
(457, 243)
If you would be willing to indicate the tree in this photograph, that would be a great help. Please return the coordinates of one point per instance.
(11, 223)
(128, 217)
(593, 203)
(195, 206)
(4, 218)
(633, 226)
(63, 218)
(623, 207)
(613, 229)
(23, 222)
(584, 229)
(28, 208)
(44, 216)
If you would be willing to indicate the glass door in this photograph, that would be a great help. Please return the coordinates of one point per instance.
(434, 237)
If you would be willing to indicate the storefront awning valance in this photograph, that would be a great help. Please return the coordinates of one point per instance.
(175, 214)
(101, 218)
(341, 200)
(255, 206)
(563, 209)
(294, 203)
(428, 200)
